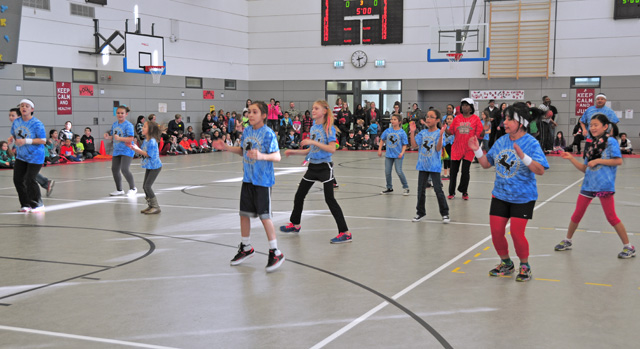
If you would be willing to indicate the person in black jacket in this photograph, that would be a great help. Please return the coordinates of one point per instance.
(495, 117)
(176, 126)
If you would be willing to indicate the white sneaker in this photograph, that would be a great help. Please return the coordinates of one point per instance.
(405, 192)
(132, 192)
(117, 193)
(445, 219)
(38, 209)
(25, 209)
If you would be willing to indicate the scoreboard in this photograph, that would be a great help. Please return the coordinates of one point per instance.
(356, 22)
(625, 9)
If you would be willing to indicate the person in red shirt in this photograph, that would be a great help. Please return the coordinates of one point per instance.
(69, 151)
(464, 126)
(185, 144)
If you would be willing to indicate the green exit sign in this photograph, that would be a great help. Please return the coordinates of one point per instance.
(625, 9)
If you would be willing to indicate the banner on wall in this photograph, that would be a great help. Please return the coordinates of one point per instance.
(584, 99)
(85, 90)
(498, 94)
(206, 94)
(63, 98)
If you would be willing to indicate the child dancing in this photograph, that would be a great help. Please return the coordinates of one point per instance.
(321, 145)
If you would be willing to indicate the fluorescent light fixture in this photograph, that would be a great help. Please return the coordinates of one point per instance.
(338, 64)
(380, 63)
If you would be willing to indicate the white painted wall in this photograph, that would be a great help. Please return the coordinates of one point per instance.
(280, 39)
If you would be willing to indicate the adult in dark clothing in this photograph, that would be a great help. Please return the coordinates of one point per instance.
(358, 114)
(207, 124)
(548, 124)
(577, 136)
(176, 126)
(372, 114)
(495, 117)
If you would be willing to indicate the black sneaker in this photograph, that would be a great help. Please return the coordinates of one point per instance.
(274, 261)
(386, 191)
(418, 218)
(242, 255)
(524, 274)
(502, 269)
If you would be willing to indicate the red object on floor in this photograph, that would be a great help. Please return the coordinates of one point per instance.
(102, 151)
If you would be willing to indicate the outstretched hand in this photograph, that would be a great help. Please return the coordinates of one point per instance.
(219, 144)
(473, 143)
(443, 129)
(566, 155)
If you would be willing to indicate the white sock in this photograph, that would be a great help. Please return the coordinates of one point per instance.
(247, 243)
(569, 240)
(627, 245)
(273, 244)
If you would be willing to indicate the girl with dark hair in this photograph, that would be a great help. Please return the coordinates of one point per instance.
(518, 158)
(122, 134)
(207, 123)
(151, 163)
(559, 143)
(599, 166)
(139, 124)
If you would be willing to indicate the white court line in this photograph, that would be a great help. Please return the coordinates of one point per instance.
(380, 306)
(84, 338)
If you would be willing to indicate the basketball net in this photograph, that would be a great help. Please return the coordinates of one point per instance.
(156, 73)
(453, 58)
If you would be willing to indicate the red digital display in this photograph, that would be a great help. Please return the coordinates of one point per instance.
(362, 21)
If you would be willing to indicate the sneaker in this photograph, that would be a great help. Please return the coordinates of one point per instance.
(341, 238)
(502, 269)
(445, 219)
(132, 192)
(289, 228)
(627, 252)
(451, 197)
(242, 255)
(524, 274)
(38, 209)
(563, 245)
(465, 196)
(418, 218)
(274, 261)
(25, 209)
(405, 192)
(335, 186)
(50, 185)
(386, 191)
(117, 193)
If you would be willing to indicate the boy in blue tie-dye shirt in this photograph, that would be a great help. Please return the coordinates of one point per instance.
(396, 141)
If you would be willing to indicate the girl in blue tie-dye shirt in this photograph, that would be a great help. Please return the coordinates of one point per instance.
(151, 163)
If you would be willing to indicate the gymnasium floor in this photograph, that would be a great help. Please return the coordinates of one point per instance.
(92, 272)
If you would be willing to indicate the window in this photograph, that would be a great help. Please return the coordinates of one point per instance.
(390, 85)
(229, 84)
(31, 72)
(82, 10)
(339, 85)
(191, 82)
(41, 4)
(89, 76)
(585, 82)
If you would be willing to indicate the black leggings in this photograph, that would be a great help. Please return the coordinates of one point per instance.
(150, 177)
(464, 178)
(119, 164)
(24, 178)
(322, 173)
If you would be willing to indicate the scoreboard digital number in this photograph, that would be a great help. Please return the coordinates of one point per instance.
(356, 22)
(624, 9)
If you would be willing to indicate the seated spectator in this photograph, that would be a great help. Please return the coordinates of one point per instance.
(176, 126)
(53, 147)
(207, 123)
(351, 143)
(78, 146)
(625, 144)
(69, 152)
(297, 124)
(89, 144)
(165, 143)
(559, 144)
(359, 136)
(184, 143)
(176, 148)
(66, 132)
(193, 144)
(138, 129)
(227, 140)
(367, 142)
(7, 158)
(205, 146)
(359, 126)
(373, 129)
(216, 135)
(189, 132)
(237, 142)
(292, 141)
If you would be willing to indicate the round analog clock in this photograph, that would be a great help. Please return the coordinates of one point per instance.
(359, 59)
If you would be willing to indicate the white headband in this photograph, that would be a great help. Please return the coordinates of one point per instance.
(28, 102)
(601, 95)
(519, 119)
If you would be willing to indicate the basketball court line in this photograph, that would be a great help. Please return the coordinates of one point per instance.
(409, 288)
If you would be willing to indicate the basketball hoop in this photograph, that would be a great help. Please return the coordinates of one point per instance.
(156, 72)
(454, 57)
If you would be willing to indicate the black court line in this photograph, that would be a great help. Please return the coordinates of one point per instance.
(152, 248)
(56, 262)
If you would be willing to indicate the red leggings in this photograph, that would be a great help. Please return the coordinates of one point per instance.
(608, 205)
(498, 231)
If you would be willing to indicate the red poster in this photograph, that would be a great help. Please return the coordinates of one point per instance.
(63, 98)
(584, 99)
(86, 90)
(206, 94)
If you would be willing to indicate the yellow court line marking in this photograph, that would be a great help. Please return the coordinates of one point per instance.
(456, 271)
(592, 284)
(467, 262)
(545, 228)
(486, 248)
(582, 230)
(504, 276)
(477, 255)
(609, 232)
(547, 280)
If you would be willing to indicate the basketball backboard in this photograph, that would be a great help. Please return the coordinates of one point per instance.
(141, 51)
(468, 40)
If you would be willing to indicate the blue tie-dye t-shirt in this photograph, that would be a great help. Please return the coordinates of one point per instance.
(258, 172)
(124, 129)
(32, 129)
(394, 140)
(515, 182)
(152, 161)
(592, 110)
(600, 177)
(318, 134)
(428, 156)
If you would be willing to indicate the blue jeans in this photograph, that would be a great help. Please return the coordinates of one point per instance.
(387, 172)
(423, 178)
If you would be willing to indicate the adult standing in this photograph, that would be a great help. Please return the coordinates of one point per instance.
(358, 114)
(464, 126)
(548, 123)
(338, 106)
(272, 115)
(373, 114)
(495, 117)
(293, 111)
(175, 127)
(30, 137)
(139, 125)
(599, 108)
